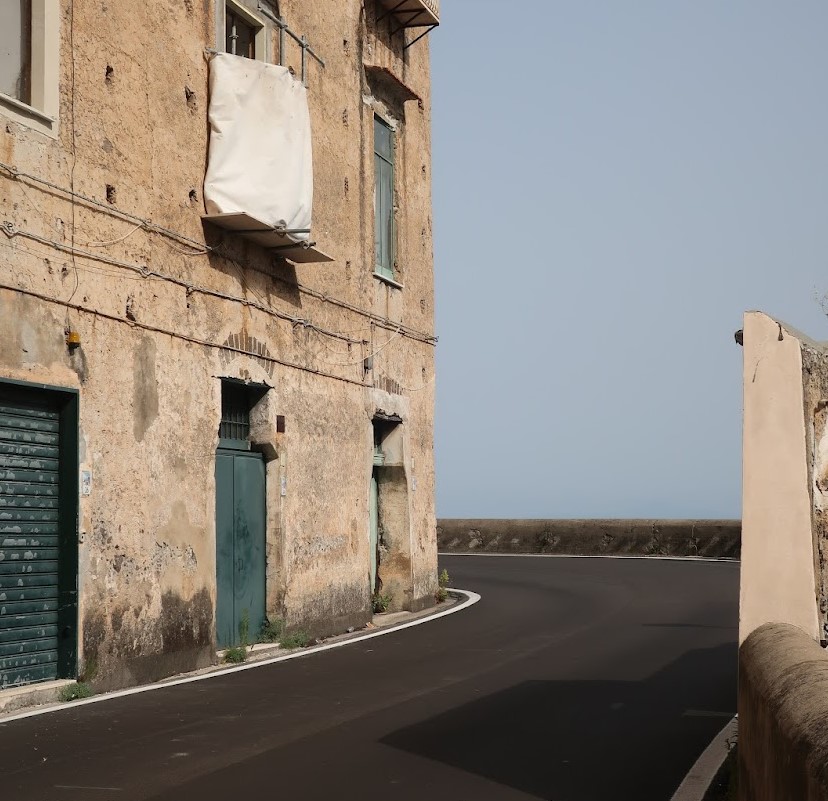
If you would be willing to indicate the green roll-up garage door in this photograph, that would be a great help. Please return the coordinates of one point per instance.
(29, 542)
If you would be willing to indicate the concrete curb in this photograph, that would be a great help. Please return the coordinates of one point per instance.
(471, 599)
(697, 781)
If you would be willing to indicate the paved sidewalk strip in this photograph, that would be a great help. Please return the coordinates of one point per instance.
(471, 598)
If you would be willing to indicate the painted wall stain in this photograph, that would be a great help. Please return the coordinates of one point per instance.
(186, 624)
(145, 388)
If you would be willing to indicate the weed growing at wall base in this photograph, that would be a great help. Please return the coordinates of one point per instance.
(298, 639)
(380, 603)
(272, 630)
(442, 584)
(236, 654)
(244, 628)
(75, 691)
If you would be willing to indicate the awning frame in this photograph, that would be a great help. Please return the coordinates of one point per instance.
(410, 17)
(278, 239)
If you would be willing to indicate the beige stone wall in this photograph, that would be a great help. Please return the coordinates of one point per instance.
(778, 581)
(783, 705)
(163, 315)
(711, 539)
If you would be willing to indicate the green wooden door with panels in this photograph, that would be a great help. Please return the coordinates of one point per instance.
(30, 488)
(240, 545)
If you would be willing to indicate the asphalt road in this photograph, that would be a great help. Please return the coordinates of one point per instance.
(571, 680)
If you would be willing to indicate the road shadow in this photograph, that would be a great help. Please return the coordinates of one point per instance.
(587, 740)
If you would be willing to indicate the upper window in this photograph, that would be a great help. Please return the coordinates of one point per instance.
(244, 32)
(384, 235)
(237, 403)
(29, 62)
(235, 412)
(240, 35)
(16, 50)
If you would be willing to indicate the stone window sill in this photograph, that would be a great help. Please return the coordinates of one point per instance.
(390, 281)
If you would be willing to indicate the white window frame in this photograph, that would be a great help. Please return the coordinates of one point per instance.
(389, 271)
(42, 114)
(262, 32)
(393, 274)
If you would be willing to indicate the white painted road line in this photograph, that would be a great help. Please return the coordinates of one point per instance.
(696, 782)
(471, 599)
(84, 787)
(658, 558)
(705, 713)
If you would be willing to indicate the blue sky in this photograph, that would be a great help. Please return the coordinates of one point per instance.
(614, 184)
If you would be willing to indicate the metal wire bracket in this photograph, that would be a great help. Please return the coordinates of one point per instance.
(302, 41)
(402, 15)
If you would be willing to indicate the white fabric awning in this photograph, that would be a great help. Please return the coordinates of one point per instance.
(259, 179)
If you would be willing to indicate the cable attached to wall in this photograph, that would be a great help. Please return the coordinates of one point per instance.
(69, 333)
(175, 335)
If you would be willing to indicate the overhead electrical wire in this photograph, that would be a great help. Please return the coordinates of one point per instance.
(174, 334)
(199, 248)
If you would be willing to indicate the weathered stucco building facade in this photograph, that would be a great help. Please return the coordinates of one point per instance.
(196, 428)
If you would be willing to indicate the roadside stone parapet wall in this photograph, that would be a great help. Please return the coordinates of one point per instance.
(783, 710)
(705, 538)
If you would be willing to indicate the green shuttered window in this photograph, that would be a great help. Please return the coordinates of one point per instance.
(384, 235)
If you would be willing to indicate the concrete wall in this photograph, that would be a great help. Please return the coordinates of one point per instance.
(783, 671)
(711, 538)
(781, 500)
(783, 709)
(164, 315)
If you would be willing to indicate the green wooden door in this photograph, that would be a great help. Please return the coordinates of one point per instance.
(240, 545)
(225, 549)
(29, 541)
(373, 539)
